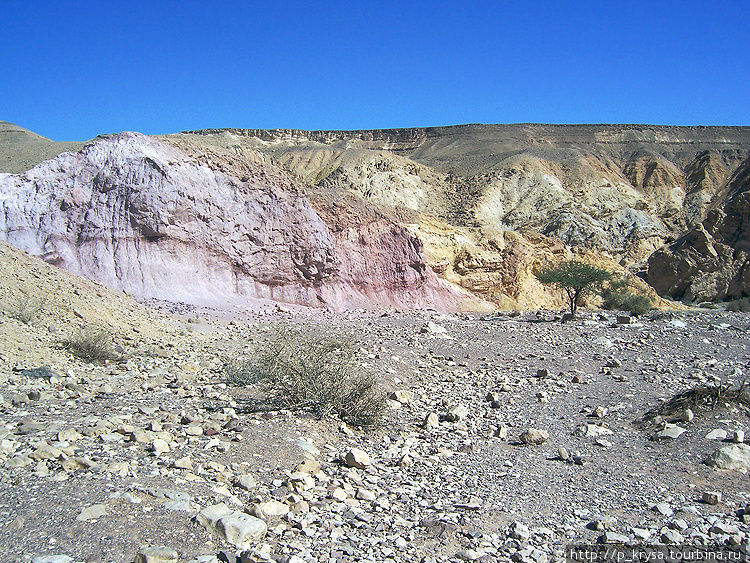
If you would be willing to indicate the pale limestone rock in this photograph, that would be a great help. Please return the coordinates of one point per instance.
(357, 458)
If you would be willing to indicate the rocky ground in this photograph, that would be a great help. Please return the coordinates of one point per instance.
(154, 458)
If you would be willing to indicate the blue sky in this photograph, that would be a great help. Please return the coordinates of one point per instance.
(72, 70)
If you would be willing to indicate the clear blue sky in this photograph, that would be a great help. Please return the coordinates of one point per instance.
(72, 70)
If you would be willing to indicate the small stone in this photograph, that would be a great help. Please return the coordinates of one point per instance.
(301, 481)
(431, 421)
(160, 554)
(470, 555)
(601, 524)
(563, 454)
(68, 435)
(209, 516)
(599, 412)
(457, 413)
(722, 528)
(592, 431)
(542, 372)
(239, 528)
(309, 465)
(357, 458)
(194, 430)
(402, 396)
(687, 415)
(738, 437)
(518, 530)
(184, 463)
(718, 434)
(613, 538)
(669, 536)
(671, 432)
(711, 497)
(678, 524)
(246, 481)
(270, 509)
(364, 494)
(339, 494)
(433, 328)
(45, 451)
(577, 378)
(534, 436)
(493, 397)
(501, 432)
(93, 512)
(159, 446)
(663, 508)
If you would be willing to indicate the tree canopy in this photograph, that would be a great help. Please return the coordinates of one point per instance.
(575, 278)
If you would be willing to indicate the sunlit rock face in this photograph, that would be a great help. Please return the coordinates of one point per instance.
(140, 215)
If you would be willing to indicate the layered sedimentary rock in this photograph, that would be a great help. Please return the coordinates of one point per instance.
(141, 215)
(506, 192)
(378, 212)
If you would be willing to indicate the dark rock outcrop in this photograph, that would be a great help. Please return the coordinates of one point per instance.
(710, 261)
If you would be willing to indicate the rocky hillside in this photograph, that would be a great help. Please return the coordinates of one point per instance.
(621, 192)
(401, 217)
(711, 260)
(141, 215)
(21, 149)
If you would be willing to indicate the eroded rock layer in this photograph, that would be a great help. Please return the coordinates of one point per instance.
(141, 215)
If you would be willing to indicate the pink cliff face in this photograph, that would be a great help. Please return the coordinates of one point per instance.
(139, 215)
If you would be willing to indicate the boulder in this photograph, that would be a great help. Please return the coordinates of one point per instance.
(534, 436)
(735, 456)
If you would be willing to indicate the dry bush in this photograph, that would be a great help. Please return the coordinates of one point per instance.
(91, 344)
(741, 305)
(25, 308)
(313, 373)
(703, 397)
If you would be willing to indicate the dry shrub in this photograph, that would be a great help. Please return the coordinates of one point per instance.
(296, 370)
(25, 308)
(741, 305)
(92, 344)
(703, 397)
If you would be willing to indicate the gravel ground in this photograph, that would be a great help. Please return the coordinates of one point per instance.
(151, 442)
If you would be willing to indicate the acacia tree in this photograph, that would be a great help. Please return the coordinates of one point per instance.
(575, 278)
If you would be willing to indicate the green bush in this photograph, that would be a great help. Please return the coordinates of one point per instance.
(309, 372)
(616, 295)
(576, 279)
(637, 304)
(91, 344)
